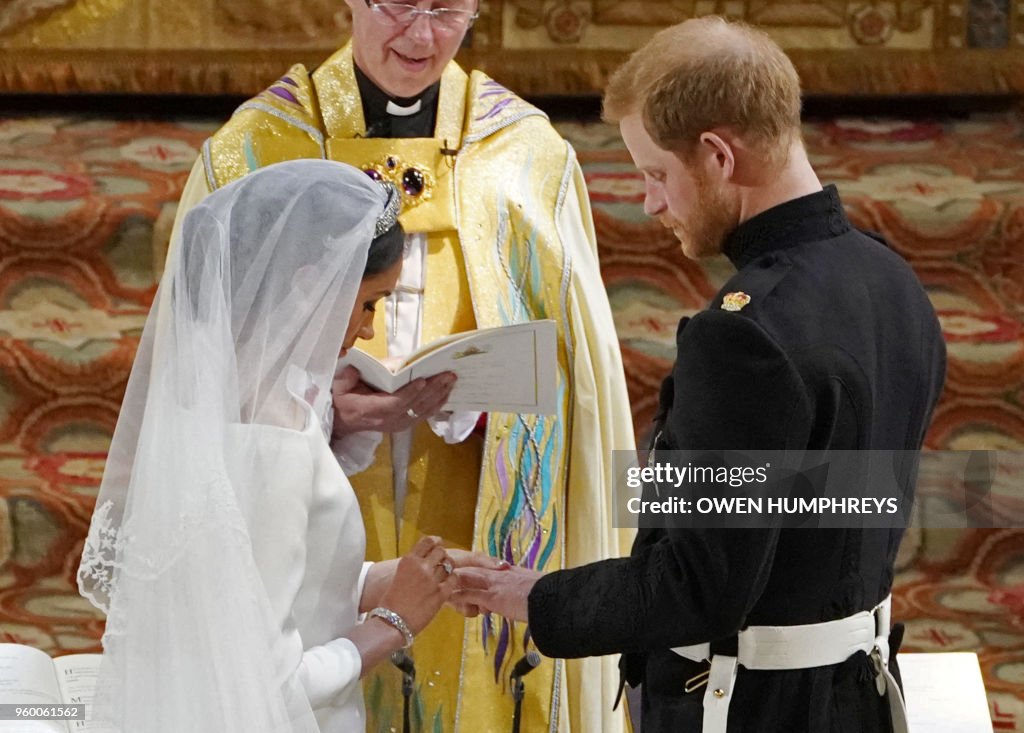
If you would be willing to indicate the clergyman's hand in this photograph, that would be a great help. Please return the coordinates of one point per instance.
(504, 592)
(357, 407)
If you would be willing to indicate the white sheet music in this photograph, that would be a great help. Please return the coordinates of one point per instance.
(77, 674)
(27, 678)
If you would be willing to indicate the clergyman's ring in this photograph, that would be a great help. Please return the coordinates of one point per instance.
(411, 413)
(447, 565)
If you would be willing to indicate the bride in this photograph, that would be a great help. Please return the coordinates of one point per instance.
(227, 546)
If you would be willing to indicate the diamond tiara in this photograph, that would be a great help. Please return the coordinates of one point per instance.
(392, 208)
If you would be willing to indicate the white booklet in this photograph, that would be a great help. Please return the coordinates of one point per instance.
(30, 678)
(944, 693)
(504, 369)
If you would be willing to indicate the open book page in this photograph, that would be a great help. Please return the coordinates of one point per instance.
(27, 678)
(506, 369)
(944, 693)
(372, 372)
(76, 675)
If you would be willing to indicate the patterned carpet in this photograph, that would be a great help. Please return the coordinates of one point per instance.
(82, 201)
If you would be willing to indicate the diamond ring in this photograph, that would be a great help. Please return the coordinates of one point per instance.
(411, 413)
(447, 565)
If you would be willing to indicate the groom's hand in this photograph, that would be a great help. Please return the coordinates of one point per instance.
(357, 407)
(466, 559)
(504, 592)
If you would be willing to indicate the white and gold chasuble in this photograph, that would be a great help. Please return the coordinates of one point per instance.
(501, 200)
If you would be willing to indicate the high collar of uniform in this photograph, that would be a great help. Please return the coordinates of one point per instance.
(378, 105)
(809, 218)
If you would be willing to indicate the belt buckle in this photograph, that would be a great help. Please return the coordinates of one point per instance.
(879, 665)
(697, 681)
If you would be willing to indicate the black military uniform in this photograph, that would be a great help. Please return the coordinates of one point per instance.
(838, 348)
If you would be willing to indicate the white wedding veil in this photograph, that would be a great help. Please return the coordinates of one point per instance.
(252, 308)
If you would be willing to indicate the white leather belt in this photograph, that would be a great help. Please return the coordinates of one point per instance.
(798, 647)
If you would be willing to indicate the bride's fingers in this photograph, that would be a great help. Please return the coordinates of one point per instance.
(425, 546)
(437, 556)
(449, 586)
(466, 559)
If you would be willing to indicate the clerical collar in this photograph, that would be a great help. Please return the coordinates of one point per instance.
(810, 218)
(387, 116)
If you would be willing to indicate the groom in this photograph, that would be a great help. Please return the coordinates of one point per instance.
(823, 340)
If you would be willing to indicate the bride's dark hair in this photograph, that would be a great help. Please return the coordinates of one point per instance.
(385, 250)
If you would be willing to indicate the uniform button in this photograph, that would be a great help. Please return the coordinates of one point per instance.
(719, 692)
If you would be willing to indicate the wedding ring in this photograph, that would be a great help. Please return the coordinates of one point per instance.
(411, 413)
(447, 565)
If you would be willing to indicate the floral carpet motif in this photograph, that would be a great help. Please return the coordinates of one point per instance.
(84, 202)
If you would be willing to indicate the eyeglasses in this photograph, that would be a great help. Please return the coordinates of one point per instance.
(401, 15)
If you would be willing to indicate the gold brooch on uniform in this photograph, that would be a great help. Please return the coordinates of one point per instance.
(735, 301)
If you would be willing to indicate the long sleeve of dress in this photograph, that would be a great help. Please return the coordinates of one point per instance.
(299, 542)
(330, 673)
(331, 670)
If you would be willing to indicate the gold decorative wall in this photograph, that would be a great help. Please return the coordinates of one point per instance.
(534, 46)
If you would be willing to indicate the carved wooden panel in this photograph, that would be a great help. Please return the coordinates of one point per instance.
(534, 46)
(17, 13)
(275, 20)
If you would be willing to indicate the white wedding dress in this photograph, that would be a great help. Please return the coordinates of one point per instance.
(314, 594)
(227, 548)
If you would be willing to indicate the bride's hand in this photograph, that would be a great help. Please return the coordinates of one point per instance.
(421, 584)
